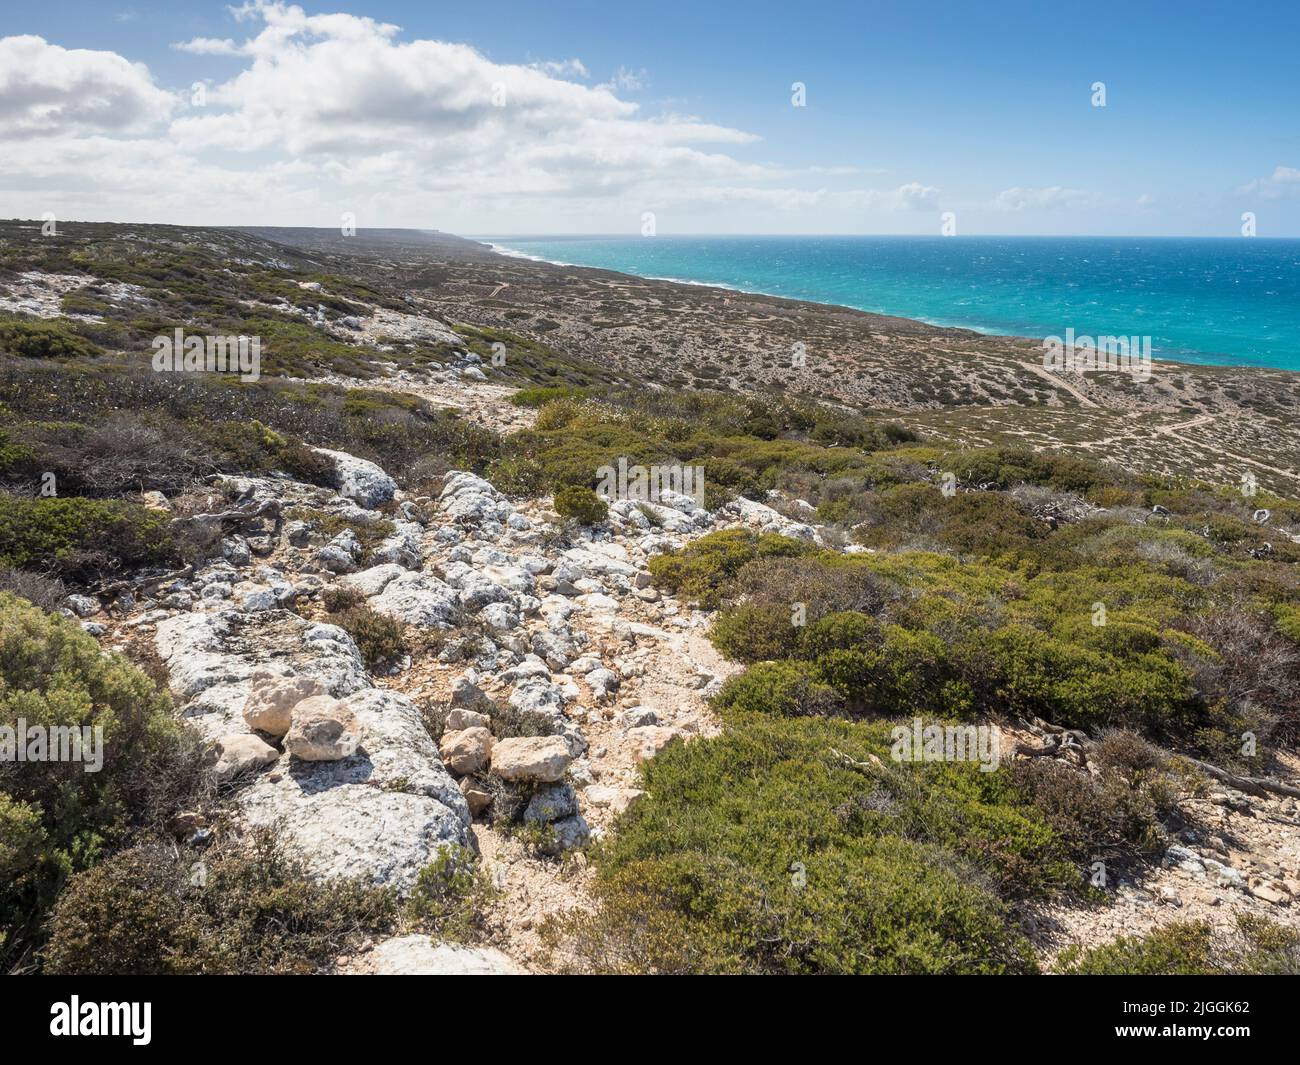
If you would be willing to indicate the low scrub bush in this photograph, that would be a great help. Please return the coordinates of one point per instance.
(45, 592)
(791, 846)
(254, 911)
(78, 538)
(1085, 646)
(451, 895)
(226, 422)
(540, 395)
(581, 504)
(785, 689)
(58, 818)
(380, 639)
(37, 339)
(705, 568)
(1255, 947)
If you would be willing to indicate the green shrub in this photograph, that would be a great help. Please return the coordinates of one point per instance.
(752, 633)
(581, 504)
(1004, 467)
(16, 457)
(921, 631)
(78, 537)
(905, 672)
(540, 395)
(59, 818)
(380, 639)
(704, 569)
(791, 846)
(451, 895)
(841, 630)
(44, 340)
(150, 911)
(787, 689)
(746, 446)
(1180, 948)
(1072, 685)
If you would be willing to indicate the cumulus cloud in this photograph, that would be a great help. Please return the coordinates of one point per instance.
(1283, 182)
(626, 80)
(912, 196)
(208, 46)
(1052, 198)
(327, 113)
(560, 67)
(437, 116)
(45, 89)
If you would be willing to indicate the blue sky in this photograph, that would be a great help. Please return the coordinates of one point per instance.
(684, 110)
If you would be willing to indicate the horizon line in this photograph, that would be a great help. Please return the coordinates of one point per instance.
(591, 235)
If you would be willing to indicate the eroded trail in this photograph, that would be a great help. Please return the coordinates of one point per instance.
(615, 667)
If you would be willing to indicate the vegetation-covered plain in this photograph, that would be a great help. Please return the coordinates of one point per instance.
(1156, 613)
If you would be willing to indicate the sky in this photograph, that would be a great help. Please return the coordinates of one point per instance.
(499, 117)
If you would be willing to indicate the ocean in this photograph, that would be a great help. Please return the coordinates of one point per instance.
(1220, 301)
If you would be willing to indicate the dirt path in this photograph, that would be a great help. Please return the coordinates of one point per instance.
(1050, 377)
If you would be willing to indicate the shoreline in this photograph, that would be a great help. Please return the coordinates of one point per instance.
(1186, 361)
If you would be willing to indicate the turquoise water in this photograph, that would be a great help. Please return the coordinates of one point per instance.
(1221, 301)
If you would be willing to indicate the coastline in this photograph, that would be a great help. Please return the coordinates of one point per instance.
(1198, 358)
(513, 253)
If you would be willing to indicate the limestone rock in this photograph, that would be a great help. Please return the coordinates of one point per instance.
(460, 719)
(270, 704)
(384, 812)
(567, 834)
(551, 804)
(477, 797)
(241, 753)
(649, 740)
(82, 605)
(340, 554)
(363, 482)
(323, 730)
(418, 955)
(372, 581)
(466, 751)
(418, 599)
(538, 758)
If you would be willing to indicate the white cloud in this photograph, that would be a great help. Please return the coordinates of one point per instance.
(45, 89)
(1052, 198)
(912, 196)
(917, 197)
(1283, 182)
(335, 112)
(208, 46)
(626, 80)
(559, 68)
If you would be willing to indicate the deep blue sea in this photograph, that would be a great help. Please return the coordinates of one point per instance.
(1224, 301)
